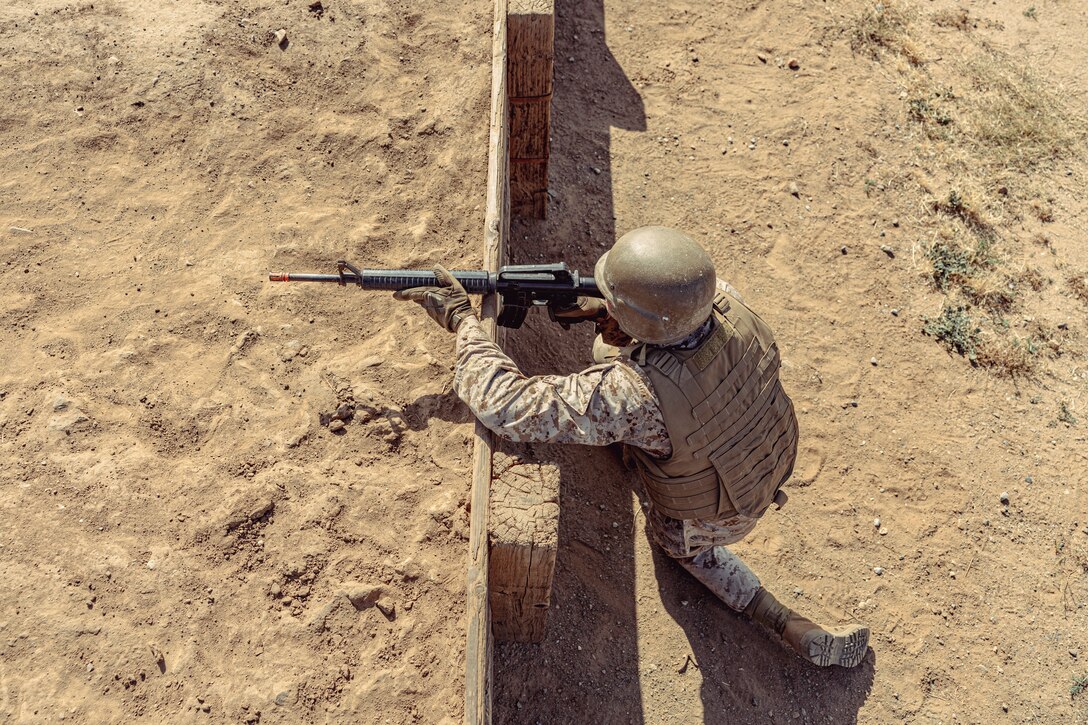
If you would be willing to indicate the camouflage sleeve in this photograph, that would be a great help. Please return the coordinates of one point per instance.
(604, 404)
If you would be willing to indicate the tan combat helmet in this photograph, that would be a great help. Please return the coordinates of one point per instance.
(659, 284)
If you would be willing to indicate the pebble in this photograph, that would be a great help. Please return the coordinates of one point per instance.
(20, 230)
(794, 191)
(281, 698)
(883, 531)
(878, 570)
(1029, 480)
(872, 361)
(336, 426)
(843, 249)
(887, 250)
(595, 170)
(280, 38)
(373, 361)
(387, 607)
(1005, 497)
(895, 313)
(876, 523)
(793, 64)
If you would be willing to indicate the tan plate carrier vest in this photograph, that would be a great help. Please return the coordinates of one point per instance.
(732, 427)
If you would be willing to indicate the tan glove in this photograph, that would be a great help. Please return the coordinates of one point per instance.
(584, 308)
(611, 334)
(447, 304)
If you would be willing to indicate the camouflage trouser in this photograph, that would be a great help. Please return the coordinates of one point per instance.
(700, 547)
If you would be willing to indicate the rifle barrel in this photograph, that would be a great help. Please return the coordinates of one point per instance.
(390, 280)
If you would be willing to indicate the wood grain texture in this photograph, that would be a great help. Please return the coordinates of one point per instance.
(531, 56)
(478, 656)
(529, 187)
(524, 537)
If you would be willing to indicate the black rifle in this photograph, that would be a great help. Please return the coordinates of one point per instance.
(519, 286)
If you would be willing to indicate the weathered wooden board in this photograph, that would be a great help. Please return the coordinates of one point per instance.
(496, 224)
(530, 57)
(524, 524)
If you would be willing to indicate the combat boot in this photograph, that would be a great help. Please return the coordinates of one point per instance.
(845, 646)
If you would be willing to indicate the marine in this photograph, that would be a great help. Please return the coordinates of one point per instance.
(686, 378)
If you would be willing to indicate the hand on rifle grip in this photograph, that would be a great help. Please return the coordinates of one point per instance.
(584, 308)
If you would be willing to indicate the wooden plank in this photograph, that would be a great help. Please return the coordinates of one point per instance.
(531, 55)
(496, 224)
(524, 527)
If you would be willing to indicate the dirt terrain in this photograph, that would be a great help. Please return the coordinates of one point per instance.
(184, 537)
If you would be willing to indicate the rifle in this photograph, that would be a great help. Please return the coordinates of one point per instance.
(519, 286)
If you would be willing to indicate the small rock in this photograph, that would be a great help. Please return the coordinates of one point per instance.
(887, 250)
(895, 223)
(762, 58)
(878, 570)
(61, 404)
(20, 230)
(872, 361)
(876, 523)
(853, 403)
(336, 426)
(363, 596)
(373, 361)
(1029, 480)
(794, 191)
(785, 142)
(1005, 497)
(883, 531)
(595, 170)
(281, 699)
(344, 411)
(280, 38)
(387, 607)
(843, 249)
(895, 312)
(793, 64)
(1074, 653)
(276, 590)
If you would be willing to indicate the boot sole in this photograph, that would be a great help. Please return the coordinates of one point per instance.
(845, 649)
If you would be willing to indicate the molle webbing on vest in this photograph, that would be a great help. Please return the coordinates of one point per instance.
(732, 427)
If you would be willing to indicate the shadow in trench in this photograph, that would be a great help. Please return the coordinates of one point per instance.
(586, 670)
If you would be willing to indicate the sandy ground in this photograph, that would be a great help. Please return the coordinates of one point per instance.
(183, 539)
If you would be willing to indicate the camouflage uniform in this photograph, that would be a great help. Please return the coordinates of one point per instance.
(611, 402)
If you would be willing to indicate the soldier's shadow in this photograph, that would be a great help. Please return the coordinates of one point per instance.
(748, 675)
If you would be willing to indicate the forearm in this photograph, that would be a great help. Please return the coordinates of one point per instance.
(598, 406)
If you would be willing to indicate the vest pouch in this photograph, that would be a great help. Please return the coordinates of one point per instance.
(750, 495)
(685, 497)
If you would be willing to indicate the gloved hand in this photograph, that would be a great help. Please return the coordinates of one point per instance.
(447, 304)
(611, 334)
(584, 308)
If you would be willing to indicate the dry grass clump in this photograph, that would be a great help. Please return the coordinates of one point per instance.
(1013, 118)
(958, 18)
(1078, 285)
(884, 27)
